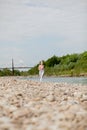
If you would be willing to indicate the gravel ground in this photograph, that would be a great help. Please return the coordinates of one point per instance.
(31, 105)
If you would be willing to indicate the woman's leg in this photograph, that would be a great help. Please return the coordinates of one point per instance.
(41, 75)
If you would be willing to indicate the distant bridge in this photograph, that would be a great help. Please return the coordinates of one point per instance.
(14, 68)
(25, 67)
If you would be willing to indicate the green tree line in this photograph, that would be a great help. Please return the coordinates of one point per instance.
(67, 65)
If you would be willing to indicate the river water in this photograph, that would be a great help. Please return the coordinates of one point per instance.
(76, 80)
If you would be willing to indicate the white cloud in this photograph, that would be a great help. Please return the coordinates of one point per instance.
(24, 20)
(21, 21)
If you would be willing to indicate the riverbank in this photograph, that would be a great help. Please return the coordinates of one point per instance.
(31, 105)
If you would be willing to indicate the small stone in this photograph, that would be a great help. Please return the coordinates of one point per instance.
(50, 98)
(84, 97)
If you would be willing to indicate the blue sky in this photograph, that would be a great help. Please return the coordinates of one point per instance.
(34, 30)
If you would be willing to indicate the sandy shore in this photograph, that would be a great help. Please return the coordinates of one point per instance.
(31, 105)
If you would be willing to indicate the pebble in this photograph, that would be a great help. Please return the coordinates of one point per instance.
(31, 105)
